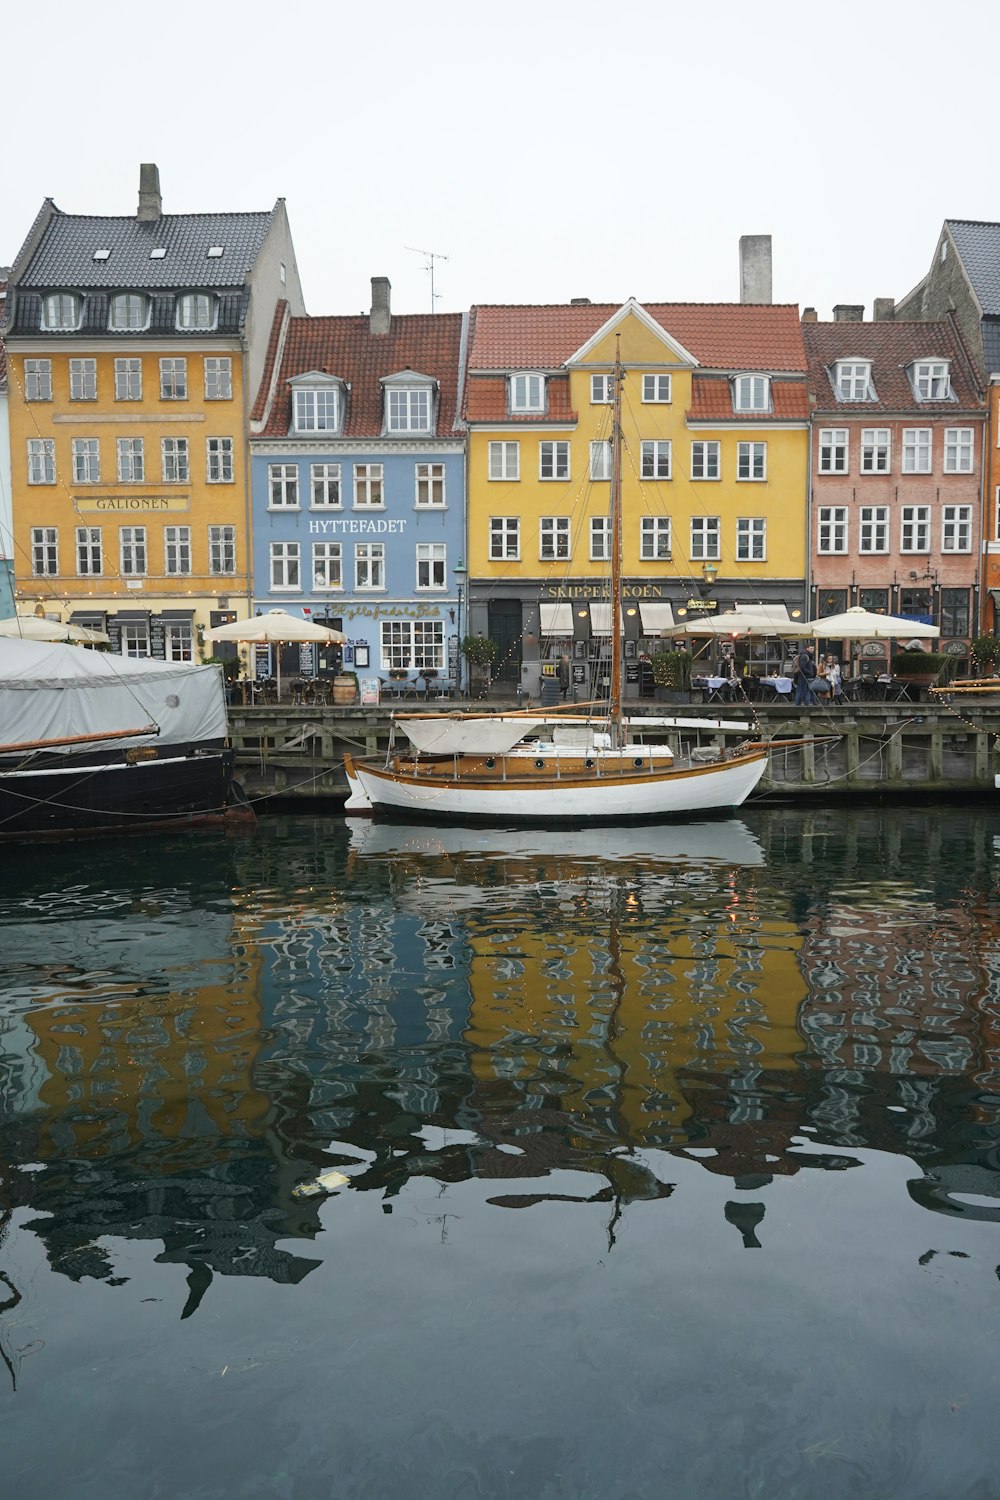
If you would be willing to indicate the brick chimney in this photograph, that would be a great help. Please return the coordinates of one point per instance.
(885, 309)
(150, 202)
(755, 268)
(849, 312)
(809, 315)
(380, 319)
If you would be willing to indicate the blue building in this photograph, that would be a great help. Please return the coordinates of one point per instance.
(358, 489)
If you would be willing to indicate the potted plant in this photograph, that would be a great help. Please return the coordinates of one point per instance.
(922, 669)
(480, 652)
(672, 676)
(985, 654)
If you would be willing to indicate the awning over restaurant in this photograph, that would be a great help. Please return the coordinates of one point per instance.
(600, 617)
(656, 616)
(557, 619)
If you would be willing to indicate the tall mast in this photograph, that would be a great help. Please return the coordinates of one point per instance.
(615, 703)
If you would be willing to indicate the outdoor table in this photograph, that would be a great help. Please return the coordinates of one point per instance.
(781, 686)
(718, 688)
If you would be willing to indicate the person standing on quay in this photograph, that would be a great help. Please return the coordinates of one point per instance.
(805, 672)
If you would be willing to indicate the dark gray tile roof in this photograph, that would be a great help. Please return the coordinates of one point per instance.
(25, 315)
(65, 255)
(991, 343)
(979, 246)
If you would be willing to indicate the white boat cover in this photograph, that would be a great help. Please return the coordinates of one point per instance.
(437, 734)
(52, 691)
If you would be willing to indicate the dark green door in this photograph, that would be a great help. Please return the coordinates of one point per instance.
(505, 632)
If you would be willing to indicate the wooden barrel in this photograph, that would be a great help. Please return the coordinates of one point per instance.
(344, 689)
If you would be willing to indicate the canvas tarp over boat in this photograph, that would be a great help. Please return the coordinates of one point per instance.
(50, 691)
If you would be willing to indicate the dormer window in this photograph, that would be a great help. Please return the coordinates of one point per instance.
(853, 379)
(751, 393)
(931, 381)
(527, 392)
(316, 403)
(62, 310)
(128, 310)
(196, 310)
(408, 410)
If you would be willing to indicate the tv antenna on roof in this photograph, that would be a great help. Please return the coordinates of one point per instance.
(432, 256)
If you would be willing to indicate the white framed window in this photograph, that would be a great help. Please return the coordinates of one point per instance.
(44, 551)
(916, 450)
(831, 532)
(178, 640)
(83, 380)
(38, 380)
(316, 408)
(175, 461)
(195, 310)
(131, 461)
(408, 409)
(41, 461)
(369, 565)
(876, 450)
(135, 638)
(527, 392)
(602, 390)
(176, 549)
(368, 492)
(218, 378)
(132, 550)
(705, 539)
(600, 539)
(221, 550)
(655, 458)
(173, 379)
(915, 528)
(283, 486)
(600, 460)
(61, 311)
(655, 389)
(86, 461)
(751, 461)
(751, 539)
(129, 310)
(553, 538)
(553, 460)
(958, 450)
(128, 379)
(654, 539)
(931, 380)
(430, 484)
(89, 555)
(328, 565)
(834, 450)
(706, 462)
(996, 512)
(505, 460)
(286, 571)
(505, 538)
(752, 393)
(431, 564)
(219, 460)
(873, 528)
(412, 645)
(325, 486)
(853, 379)
(956, 528)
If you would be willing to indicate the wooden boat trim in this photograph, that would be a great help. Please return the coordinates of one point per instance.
(437, 776)
(79, 739)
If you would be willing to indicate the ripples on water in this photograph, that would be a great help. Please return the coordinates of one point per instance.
(670, 1154)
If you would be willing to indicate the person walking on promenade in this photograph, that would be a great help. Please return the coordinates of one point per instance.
(834, 678)
(805, 672)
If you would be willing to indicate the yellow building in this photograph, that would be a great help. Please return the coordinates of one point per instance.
(131, 345)
(715, 471)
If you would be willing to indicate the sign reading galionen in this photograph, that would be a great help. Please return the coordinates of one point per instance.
(133, 504)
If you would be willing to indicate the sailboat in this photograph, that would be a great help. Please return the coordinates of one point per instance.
(545, 766)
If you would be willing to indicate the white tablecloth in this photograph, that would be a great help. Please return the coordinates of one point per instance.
(780, 684)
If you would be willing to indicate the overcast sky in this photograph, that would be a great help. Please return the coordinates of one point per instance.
(548, 149)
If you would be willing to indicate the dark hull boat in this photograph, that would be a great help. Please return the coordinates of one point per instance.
(92, 743)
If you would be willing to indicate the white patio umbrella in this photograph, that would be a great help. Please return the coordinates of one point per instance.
(859, 624)
(275, 628)
(731, 624)
(39, 628)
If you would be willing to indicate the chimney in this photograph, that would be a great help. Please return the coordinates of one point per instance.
(809, 315)
(150, 202)
(380, 319)
(849, 312)
(755, 268)
(885, 309)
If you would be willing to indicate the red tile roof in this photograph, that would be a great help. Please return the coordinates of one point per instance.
(891, 347)
(712, 401)
(727, 336)
(428, 344)
(486, 401)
